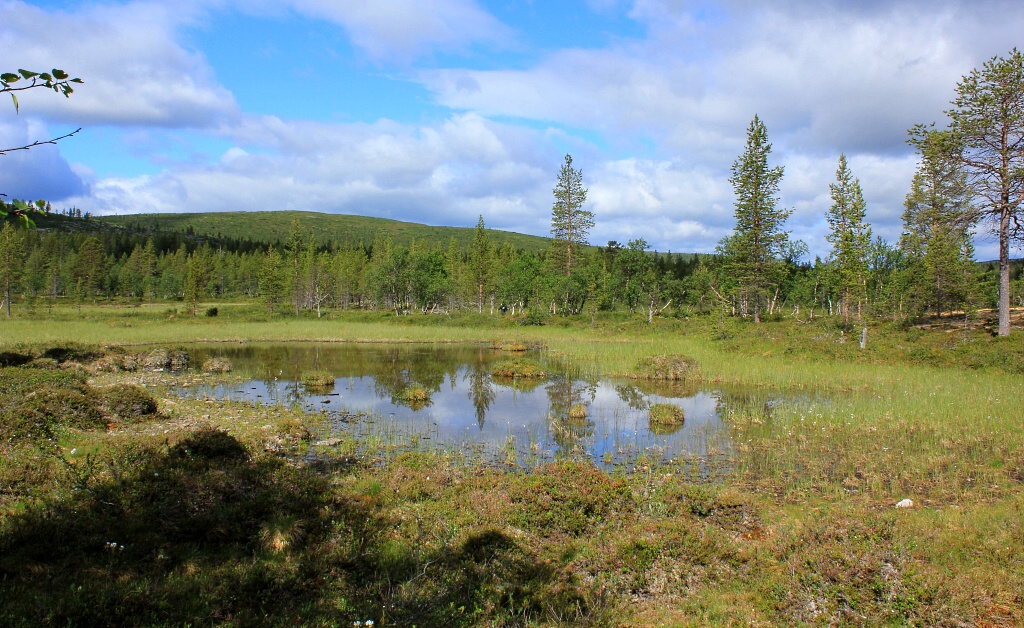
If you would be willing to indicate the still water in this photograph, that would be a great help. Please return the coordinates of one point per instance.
(516, 420)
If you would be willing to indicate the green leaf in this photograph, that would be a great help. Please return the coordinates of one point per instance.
(40, 204)
(60, 74)
(15, 99)
(77, 80)
(9, 77)
(27, 74)
(46, 77)
(20, 204)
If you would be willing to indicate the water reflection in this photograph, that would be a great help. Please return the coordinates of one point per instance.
(563, 415)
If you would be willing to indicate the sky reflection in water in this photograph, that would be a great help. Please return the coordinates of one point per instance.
(469, 408)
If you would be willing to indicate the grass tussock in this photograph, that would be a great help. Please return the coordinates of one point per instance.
(666, 367)
(519, 368)
(666, 414)
(317, 379)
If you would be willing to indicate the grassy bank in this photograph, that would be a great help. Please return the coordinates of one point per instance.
(224, 517)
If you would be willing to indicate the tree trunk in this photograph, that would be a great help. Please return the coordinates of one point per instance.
(1004, 270)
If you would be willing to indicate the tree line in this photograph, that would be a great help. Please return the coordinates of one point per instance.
(970, 176)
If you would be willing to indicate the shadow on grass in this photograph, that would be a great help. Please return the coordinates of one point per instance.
(204, 533)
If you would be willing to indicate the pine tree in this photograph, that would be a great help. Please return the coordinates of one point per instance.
(850, 237)
(988, 123)
(570, 223)
(758, 238)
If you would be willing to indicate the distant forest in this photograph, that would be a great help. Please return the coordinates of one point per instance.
(73, 258)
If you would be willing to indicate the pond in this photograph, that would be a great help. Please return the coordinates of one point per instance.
(517, 421)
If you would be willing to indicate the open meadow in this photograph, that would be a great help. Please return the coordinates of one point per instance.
(123, 503)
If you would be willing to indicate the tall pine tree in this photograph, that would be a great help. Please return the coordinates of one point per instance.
(988, 122)
(570, 223)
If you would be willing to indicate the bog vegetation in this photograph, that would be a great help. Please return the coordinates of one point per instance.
(123, 504)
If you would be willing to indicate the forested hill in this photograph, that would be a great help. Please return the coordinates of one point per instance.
(272, 227)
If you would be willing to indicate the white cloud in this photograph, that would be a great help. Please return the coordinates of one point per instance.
(403, 29)
(135, 71)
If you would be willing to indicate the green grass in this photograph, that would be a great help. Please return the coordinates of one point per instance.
(800, 528)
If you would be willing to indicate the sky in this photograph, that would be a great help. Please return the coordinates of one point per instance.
(441, 111)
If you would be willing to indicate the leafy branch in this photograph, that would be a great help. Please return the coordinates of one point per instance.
(60, 82)
(55, 79)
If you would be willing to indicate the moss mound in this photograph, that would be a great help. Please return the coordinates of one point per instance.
(128, 403)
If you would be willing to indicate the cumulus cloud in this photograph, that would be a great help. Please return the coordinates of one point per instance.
(654, 121)
(135, 71)
(403, 29)
(447, 173)
(37, 173)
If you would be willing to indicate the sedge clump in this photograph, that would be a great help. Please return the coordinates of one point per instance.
(666, 367)
(518, 367)
(666, 414)
(317, 379)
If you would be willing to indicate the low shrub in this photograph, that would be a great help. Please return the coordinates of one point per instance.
(39, 413)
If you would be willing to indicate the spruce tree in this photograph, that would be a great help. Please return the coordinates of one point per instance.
(850, 237)
(936, 232)
(481, 265)
(758, 239)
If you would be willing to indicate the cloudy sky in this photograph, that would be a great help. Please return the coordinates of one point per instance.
(438, 111)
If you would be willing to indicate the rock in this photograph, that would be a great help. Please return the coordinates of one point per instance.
(330, 442)
(905, 503)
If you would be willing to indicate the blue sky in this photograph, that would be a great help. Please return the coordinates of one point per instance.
(438, 111)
